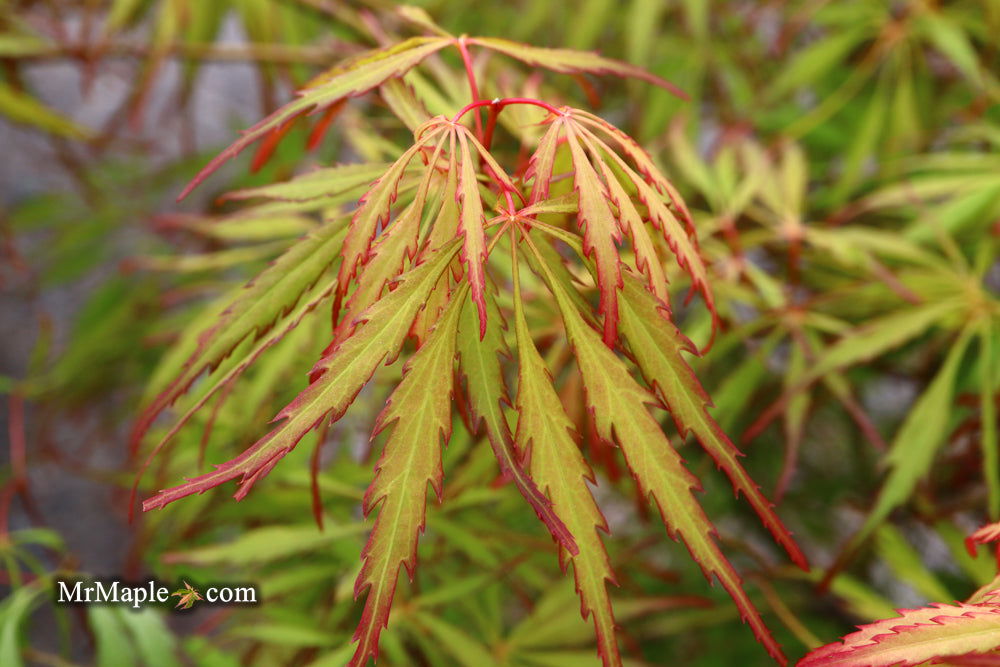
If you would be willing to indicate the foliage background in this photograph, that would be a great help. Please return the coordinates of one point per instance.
(841, 160)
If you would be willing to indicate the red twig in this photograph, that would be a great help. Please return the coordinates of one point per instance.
(471, 74)
(500, 103)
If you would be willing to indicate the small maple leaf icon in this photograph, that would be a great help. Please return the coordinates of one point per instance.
(188, 596)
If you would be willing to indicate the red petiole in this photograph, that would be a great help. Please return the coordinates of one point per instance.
(470, 73)
(499, 103)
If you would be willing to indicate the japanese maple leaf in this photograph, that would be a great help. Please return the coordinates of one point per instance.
(188, 596)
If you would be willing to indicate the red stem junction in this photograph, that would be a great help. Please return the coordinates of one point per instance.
(499, 103)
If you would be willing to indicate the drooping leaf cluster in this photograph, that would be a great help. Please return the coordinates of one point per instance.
(837, 160)
(417, 258)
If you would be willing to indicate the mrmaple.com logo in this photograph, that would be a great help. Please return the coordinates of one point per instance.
(150, 592)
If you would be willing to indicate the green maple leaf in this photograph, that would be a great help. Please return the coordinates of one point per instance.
(188, 596)
(414, 262)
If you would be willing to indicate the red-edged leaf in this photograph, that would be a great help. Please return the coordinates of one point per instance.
(650, 172)
(471, 229)
(411, 459)
(350, 79)
(600, 231)
(618, 405)
(546, 435)
(269, 296)
(487, 394)
(684, 247)
(658, 346)
(373, 210)
(344, 372)
(385, 262)
(446, 222)
(915, 637)
(569, 61)
(631, 223)
(542, 162)
(235, 368)
(443, 229)
(398, 241)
